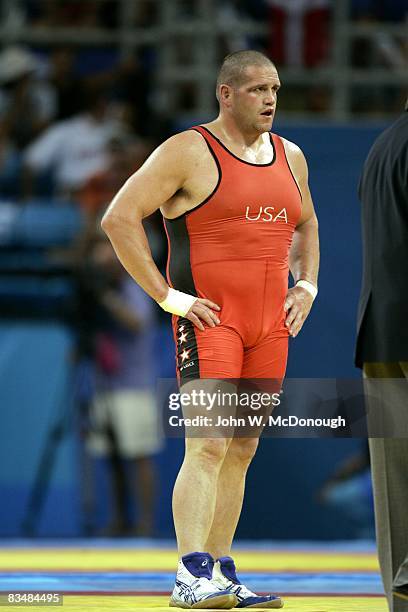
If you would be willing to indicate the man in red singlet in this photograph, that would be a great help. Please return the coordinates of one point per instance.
(239, 216)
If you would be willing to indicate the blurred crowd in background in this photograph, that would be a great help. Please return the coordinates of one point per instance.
(75, 122)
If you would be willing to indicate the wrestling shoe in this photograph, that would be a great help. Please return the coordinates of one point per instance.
(194, 589)
(225, 577)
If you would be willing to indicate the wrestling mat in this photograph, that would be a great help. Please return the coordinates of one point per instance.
(100, 575)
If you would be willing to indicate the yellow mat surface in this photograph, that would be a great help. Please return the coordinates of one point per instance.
(292, 604)
(113, 559)
(166, 560)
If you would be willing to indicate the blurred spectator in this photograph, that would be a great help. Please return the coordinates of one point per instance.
(74, 149)
(125, 156)
(27, 105)
(349, 490)
(145, 13)
(380, 50)
(69, 88)
(130, 86)
(69, 13)
(299, 32)
(130, 83)
(229, 14)
(12, 14)
(117, 320)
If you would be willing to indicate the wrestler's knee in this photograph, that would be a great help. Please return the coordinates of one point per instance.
(243, 449)
(210, 451)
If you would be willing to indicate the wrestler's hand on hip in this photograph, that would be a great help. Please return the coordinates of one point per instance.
(202, 311)
(298, 304)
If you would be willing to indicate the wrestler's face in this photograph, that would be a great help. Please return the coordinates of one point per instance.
(253, 102)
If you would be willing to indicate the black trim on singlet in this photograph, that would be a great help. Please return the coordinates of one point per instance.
(188, 368)
(181, 278)
(290, 170)
(215, 188)
(239, 158)
(180, 274)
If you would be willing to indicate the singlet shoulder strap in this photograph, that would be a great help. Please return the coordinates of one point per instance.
(279, 147)
(204, 132)
(213, 144)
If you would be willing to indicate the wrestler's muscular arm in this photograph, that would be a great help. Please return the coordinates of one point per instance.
(304, 252)
(167, 171)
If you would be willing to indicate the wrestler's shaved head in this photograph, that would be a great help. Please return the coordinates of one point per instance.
(233, 68)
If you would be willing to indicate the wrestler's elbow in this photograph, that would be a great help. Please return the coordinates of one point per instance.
(314, 223)
(310, 224)
(113, 223)
(109, 222)
(120, 216)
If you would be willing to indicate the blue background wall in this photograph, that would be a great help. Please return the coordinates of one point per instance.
(35, 385)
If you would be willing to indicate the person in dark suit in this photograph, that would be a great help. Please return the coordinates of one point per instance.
(382, 347)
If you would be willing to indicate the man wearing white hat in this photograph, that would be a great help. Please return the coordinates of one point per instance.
(27, 105)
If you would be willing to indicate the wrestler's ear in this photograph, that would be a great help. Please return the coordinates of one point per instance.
(225, 93)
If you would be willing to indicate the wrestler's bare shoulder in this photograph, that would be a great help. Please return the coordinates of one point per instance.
(291, 148)
(186, 148)
(295, 157)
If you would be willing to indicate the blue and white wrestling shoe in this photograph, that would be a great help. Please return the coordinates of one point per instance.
(225, 577)
(194, 589)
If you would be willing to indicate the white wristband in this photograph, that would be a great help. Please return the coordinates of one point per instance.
(308, 287)
(177, 302)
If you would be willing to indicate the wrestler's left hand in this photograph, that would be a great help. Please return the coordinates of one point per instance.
(298, 304)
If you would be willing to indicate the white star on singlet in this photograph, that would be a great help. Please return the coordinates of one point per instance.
(184, 355)
(183, 338)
